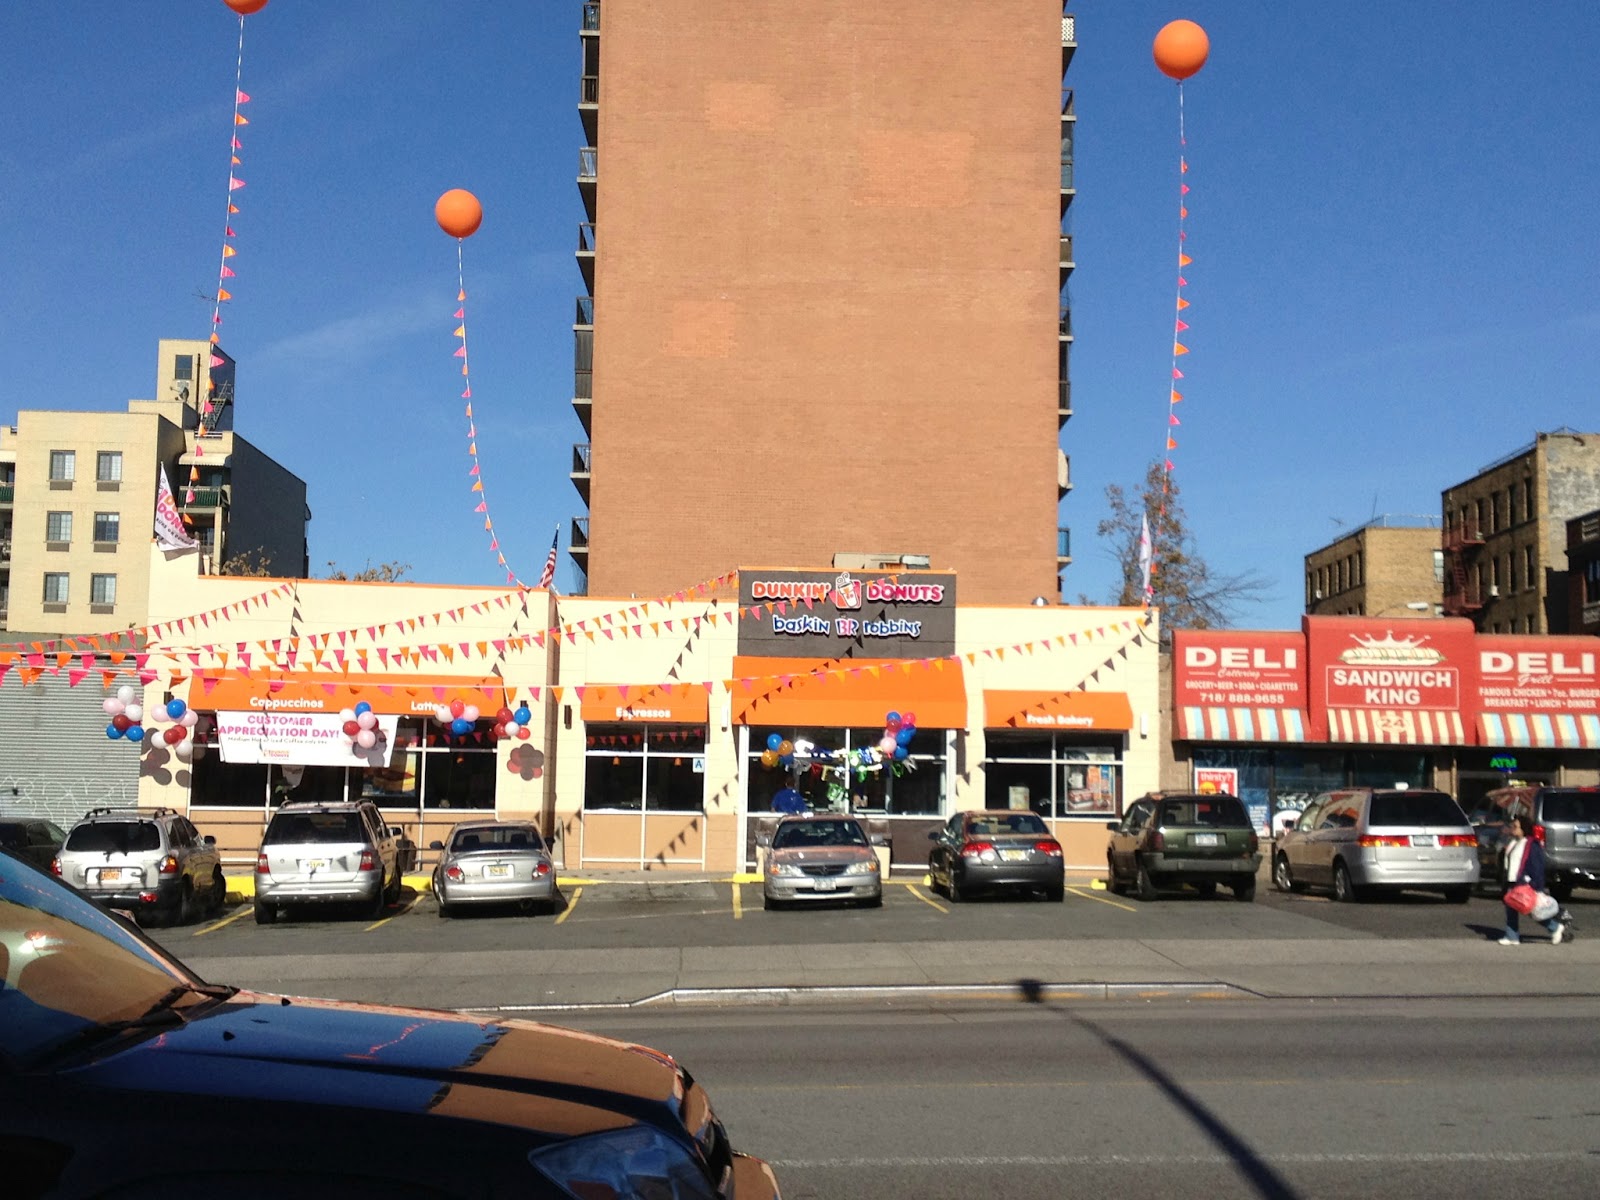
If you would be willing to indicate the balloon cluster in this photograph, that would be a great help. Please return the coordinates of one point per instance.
(359, 728)
(893, 748)
(458, 717)
(179, 737)
(509, 724)
(126, 715)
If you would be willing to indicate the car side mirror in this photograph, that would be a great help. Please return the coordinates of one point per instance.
(1113, 825)
(435, 845)
(210, 840)
(933, 835)
(396, 831)
(764, 839)
(878, 839)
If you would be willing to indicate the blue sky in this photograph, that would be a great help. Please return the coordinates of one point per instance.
(1391, 219)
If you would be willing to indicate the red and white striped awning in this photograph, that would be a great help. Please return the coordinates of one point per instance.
(1404, 726)
(1240, 724)
(1550, 730)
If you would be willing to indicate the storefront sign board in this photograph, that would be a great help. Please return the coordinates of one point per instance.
(846, 614)
(306, 738)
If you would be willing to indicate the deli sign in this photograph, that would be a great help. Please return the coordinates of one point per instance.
(1227, 668)
(1530, 674)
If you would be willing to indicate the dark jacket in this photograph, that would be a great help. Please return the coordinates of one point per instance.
(1533, 869)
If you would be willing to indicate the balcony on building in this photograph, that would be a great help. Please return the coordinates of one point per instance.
(1462, 537)
(1069, 122)
(588, 177)
(585, 255)
(1463, 599)
(1063, 546)
(583, 361)
(580, 469)
(1069, 40)
(195, 499)
(1063, 473)
(8, 494)
(578, 544)
(1064, 399)
(5, 552)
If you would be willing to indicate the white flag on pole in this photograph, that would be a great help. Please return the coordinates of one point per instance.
(1146, 554)
(170, 532)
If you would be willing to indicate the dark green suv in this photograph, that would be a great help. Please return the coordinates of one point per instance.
(1168, 840)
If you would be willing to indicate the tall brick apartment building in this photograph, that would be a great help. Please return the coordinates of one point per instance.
(825, 253)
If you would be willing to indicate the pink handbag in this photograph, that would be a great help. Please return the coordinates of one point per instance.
(1521, 898)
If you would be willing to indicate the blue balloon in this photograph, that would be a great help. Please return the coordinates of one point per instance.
(900, 752)
(176, 708)
(774, 740)
(907, 732)
(363, 707)
(891, 718)
(135, 733)
(523, 715)
(460, 726)
(113, 732)
(786, 761)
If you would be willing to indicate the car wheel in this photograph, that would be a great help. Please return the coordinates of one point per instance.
(1144, 886)
(1343, 890)
(444, 910)
(379, 902)
(933, 874)
(1561, 892)
(186, 910)
(873, 901)
(768, 903)
(1283, 877)
(1056, 893)
(392, 894)
(219, 891)
(265, 913)
(1245, 892)
(953, 890)
(1114, 885)
(1457, 895)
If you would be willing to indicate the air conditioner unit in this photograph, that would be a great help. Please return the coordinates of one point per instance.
(1494, 591)
(1317, 595)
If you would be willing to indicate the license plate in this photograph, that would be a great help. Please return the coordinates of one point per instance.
(1423, 839)
(825, 885)
(313, 864)
(1206, 839)
(496, 871)
(1013, 855)
(110, 874)
(1589, 839)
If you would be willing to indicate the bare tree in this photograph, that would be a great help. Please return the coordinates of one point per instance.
(1183, 585)
(257, 563)
(388, 572)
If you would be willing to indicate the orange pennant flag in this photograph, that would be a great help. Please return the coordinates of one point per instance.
(1179, 348)
(1171, 444)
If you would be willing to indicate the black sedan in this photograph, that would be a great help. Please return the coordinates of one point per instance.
(122, 1073)
(996, 850)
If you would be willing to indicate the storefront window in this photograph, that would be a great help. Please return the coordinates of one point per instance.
(1054, 775)
(1301, 775)
(655, 768)
(1388, 768)
(913, 786)
(458, 777)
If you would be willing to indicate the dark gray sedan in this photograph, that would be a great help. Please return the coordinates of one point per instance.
(495, 862)
(996, 850)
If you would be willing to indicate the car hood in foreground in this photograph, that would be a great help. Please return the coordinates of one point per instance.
(540, 1078)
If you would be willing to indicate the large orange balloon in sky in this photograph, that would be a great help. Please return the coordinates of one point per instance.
(458, 212)
(245, 7)
(1181, 49)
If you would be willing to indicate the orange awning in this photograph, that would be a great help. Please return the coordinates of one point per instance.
(1057, 710)
(403, 694)
(849, 692)
(677, 702)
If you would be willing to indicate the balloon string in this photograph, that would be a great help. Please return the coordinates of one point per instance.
(472, 428)
(1174, 396)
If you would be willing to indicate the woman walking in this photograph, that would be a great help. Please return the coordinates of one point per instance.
(1522, 861)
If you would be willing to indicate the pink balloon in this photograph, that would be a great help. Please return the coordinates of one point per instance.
(111, 706)
(469, 712)
(366, 739)
(367, 720)
(189, 719)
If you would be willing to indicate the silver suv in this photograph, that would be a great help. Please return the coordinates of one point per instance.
(330, 853)
(149, 861)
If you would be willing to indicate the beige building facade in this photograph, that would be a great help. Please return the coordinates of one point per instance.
(1391, 566)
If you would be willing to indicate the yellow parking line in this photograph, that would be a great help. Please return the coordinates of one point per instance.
(738, 904)
(928, 900)
(392, 916)
(225, 921)
(572, 903)
(1102, 900)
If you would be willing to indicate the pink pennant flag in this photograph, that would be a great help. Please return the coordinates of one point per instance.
(240, 97)
(461, 353)
(227, 273)
(460, 312)
(467, 394)
(1172, 419)
(234, 183)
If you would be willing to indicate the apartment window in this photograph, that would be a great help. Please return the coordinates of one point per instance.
(108, 466)
(1511, 571)
(1494, 573)
(106, 526)
(1438, 566)
(1359, 564)
(55, 587)
(182, 367)
(1527, 499)
(1529, 574)
(102, 589)
(58, 527)
(63, 465)
(1511, 503)
(1591, 581)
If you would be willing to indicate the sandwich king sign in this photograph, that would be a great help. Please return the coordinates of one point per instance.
(1405, 681)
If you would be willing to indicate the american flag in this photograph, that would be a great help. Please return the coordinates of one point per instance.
(548, 575)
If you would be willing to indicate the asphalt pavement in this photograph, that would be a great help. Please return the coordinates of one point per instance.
(935, 966)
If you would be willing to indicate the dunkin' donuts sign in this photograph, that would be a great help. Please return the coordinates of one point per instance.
(905, 614)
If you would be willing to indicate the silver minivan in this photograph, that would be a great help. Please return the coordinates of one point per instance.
(329, 853)
(1362, 840)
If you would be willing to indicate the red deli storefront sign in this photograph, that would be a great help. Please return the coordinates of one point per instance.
(1230, 685)
(1401, 681)
(1538, 691)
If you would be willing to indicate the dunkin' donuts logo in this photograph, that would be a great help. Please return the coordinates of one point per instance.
(846, 591)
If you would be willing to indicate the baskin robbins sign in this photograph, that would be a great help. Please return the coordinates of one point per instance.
(838, 614)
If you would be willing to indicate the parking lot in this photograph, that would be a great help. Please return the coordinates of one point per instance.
(626, 912)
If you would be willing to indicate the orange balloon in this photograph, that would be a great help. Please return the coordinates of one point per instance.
(458, 212)
(245, 7)
(1181, 49)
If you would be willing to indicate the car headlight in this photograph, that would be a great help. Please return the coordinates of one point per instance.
(778, 868)
(865, 867)
(634, 1162)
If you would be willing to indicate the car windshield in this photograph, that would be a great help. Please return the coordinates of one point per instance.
(66, 965)
(1212, 811)
(114, 837)
(1414, 808)
(467, 840)
(1003, 823)
(311, 827)
(818, 833)
(1563, 807)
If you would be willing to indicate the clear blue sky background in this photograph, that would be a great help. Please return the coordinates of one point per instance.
(1392, 220)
